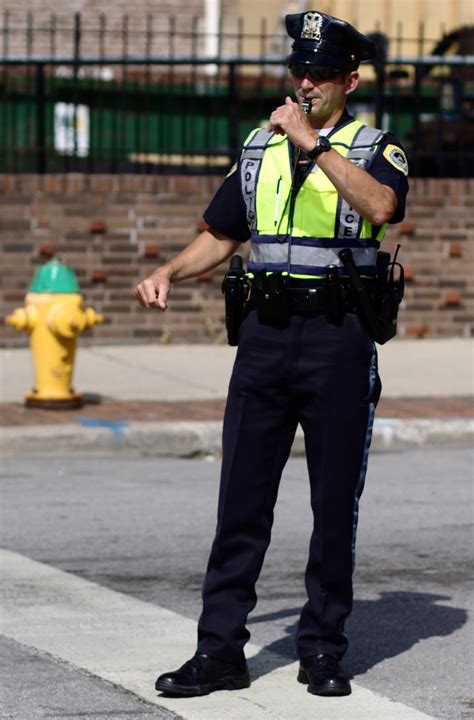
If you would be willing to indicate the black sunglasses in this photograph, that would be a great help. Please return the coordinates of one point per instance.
(315, 72)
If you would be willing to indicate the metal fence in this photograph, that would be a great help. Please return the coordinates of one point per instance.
(160, 104)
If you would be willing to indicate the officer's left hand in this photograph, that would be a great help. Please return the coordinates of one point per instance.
(289, 119)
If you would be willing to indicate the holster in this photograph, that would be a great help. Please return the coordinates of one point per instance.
(234, 287)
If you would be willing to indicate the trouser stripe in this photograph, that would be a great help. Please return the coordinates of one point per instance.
(368, 438)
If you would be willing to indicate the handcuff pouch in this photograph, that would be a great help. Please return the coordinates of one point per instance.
(270, 294)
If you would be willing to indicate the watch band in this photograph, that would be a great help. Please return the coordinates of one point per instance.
(322, 145)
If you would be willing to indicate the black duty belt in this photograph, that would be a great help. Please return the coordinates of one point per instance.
(276, 297)
(310, 301)
(314, 301)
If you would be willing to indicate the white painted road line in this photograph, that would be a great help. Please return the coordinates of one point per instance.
(128, 642)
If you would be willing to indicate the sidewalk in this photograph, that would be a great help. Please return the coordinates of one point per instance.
(170, 399)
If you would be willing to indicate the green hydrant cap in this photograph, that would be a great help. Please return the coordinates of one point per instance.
(54, 277)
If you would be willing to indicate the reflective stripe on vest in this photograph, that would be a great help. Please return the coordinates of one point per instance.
(348, 222)
(266, 248)
(322, 220)
(250, 164)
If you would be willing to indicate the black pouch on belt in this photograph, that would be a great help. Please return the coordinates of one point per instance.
(378, 310)
(334, 297)
(270, 294)
(389, 294)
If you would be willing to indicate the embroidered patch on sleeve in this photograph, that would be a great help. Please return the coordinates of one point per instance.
(397, 158)
(232, 170)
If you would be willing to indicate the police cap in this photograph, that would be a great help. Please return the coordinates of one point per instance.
(321, 39)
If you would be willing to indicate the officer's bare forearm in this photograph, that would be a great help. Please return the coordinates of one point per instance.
(206, 252)
(372, 200)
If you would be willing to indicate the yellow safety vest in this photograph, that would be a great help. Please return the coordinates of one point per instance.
(303, 235)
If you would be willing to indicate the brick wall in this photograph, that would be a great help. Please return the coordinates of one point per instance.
(113, 230)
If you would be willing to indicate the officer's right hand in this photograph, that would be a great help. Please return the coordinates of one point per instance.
(154, 290)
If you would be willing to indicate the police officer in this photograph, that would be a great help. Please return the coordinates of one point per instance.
(307, 186)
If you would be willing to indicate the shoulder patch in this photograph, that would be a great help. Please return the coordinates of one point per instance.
(232, 170)
(396, 157)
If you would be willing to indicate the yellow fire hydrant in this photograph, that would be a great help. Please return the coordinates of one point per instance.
(54, 317)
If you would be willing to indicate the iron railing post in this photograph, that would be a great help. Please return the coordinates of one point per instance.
(381, 50)
(234, 139)
(75, 91)
(417, 135)
(40, 121)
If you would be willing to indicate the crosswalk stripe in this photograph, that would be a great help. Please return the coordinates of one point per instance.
(128, 642)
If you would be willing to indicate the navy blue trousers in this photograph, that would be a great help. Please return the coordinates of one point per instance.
(325, 378)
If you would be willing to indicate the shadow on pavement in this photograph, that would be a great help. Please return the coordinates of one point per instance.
(378, 629)
(89, 398)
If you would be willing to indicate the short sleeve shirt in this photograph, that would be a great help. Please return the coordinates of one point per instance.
(227, 212)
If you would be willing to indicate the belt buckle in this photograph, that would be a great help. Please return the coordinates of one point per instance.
(312, 297)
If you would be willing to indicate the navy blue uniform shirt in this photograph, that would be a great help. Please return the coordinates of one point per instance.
(227, 212)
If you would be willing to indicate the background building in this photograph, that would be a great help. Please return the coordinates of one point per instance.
(396, 18)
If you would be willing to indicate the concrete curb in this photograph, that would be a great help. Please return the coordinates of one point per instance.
(191, 439)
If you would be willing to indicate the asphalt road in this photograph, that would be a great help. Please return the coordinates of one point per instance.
(143, 527)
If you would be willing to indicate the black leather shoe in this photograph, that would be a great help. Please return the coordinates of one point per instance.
(203, 674)
(323, 676)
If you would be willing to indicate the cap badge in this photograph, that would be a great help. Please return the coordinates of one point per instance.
(312, 22)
